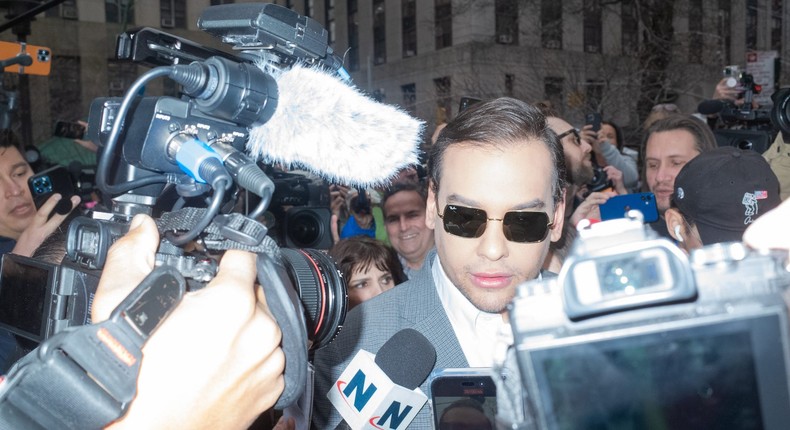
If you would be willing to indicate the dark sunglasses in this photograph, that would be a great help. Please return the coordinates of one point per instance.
(521, 227)
(577, 138)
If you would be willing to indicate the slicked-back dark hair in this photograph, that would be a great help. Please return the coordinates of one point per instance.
(499, 123)
(9, 139)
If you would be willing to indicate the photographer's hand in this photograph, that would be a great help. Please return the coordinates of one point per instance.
(616, 176)
(42, 226)
(215, 362)
(589, 207)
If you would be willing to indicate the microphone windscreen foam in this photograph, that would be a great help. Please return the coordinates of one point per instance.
(407, 358)
(327, 126)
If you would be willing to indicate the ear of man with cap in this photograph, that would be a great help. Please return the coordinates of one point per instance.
(718, 194)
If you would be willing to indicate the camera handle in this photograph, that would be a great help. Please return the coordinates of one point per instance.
(86, 376)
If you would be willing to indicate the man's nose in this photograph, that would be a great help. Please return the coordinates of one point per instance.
(493, 244)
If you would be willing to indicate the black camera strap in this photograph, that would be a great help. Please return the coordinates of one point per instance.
(85, 377)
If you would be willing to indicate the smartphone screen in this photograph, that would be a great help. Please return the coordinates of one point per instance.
(463, 401)
(618, 206)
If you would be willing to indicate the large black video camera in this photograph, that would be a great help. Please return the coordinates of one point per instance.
(193, 147)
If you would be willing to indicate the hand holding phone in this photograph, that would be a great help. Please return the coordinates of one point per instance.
(53, 180)
(593, 119)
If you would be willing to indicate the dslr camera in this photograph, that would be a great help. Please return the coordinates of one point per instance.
(635, 334)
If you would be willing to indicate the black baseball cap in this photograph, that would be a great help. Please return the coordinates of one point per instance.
(724, 190)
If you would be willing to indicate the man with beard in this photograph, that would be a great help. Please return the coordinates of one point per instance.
(495, 202)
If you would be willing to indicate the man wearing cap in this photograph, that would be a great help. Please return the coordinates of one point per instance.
(718, 195)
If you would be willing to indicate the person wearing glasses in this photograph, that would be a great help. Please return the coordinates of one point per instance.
(495, 203)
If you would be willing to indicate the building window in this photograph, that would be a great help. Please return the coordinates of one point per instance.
(309, 8)
(506, 22)
(443, 23)
(409, 27)
(551, 24)
(64, 87)
(751, 24)
(444, 99)
(594, 95)
(353, 36)
(629, 28)
(509, 83)
(409, 92)
(379, 33)
(119, 11)
(120, 76)
(289, 4)
(173, 13)
(553, 92)
(776, 25)
(695, 31)
(724, 31)
(592, 26)
(219, 2)
(329, 19)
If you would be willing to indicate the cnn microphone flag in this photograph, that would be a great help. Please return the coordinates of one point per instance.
(368, 399)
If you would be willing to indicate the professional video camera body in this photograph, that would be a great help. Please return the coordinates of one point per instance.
(743, 126)
(193, 145)
(633, 334)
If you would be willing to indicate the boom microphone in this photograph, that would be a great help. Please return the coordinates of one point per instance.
(326, 126)
(382, 392)
(711, 107)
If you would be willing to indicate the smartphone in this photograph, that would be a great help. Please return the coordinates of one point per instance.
(41, 58)
(53, 180)
(466, 102)
(593, 119)
(463, 398)
(618, 206)
(71, 130)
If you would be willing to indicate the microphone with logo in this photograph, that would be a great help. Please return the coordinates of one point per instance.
(382, 392)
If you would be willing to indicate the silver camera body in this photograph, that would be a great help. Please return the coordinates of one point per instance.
(635, 334)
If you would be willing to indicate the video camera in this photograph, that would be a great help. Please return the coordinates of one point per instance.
(633, 334)
(193, 146)
(743, 126)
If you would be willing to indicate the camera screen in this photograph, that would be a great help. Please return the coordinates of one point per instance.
(23, 291)
(727, 375)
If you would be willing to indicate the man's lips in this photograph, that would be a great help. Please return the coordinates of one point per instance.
(491, 280)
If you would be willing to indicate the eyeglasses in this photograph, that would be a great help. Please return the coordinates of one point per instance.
(577, 138)
(521, 227)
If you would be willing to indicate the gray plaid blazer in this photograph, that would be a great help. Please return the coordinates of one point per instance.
(413, 304)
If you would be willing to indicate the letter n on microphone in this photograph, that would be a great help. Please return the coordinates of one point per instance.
(367, 399)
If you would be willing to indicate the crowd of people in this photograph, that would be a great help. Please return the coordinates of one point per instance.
(441, 252)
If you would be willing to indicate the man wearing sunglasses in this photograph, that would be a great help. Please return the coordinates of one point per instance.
(495, 202)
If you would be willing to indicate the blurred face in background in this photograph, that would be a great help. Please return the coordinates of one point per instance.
(17, 210)
(607, 134)
(404, 217)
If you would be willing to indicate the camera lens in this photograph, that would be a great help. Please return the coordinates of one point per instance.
(780, 114)
(322, 292)
(304, 229)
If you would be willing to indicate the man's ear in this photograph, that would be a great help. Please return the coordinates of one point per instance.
(559, 218)
(676, 225)
(430, 208)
